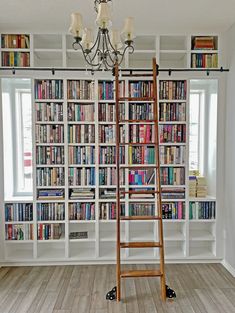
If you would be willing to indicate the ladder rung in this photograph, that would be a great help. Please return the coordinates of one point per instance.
(137, 143)
(146, 244)
(139, 218)
(136, 98)
(141, 192)
(138, 121)
(140, 273)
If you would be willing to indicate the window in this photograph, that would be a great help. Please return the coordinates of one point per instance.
(17, 135)
(203, 129)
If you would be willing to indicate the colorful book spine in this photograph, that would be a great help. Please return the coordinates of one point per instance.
(80, 112)
(107, 112)
(141, 209)
(50, 211)
(141, 155)
(49, 155)
(107, 211)
(82, 155)
(170, 112)
(15, 41)
(107, 155)
(172, 155)
(49, 112)
(172, 175)
(173, 210)
(48, 89)
(172, 133)
(18, 212)
(107, 176)
(141, 111)
(80, 90)
(49, 231)
(19, 232)
(81, 176)
(141, 133)
(141, 89)
(50, 176)
(81, 133)
(202, 210)
(49, 133)
(81, 211)
(172, 90)
(17, 59)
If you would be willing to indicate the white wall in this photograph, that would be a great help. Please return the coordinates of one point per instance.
(229, 190)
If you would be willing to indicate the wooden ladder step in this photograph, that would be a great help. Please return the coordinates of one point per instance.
(139, 244)
(140, 218)
(141, 273)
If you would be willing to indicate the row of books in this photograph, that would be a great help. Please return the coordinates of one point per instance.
(107, 112)
(172, 155)
(141, 209)
(15, 41)
(50, 176)
(49, 89)
(141, 133)
(80, 112)
(81, 176)
(105, 90)
(12, 58)
(81, 193)
(172, 112)
(49, 112)
(81, 133)
(141, 89)
(107, 176)
(81, 155)
(141, 155)
(107, 133)
(172, 175)
(204, 60)
(80, 90)
(49, 133)
(107, 211)
(173, 210)
(49, 155)
(202, 210)
(18, 212)
(142, 177)
(107, 155)
(49, 231)
(141, 111)
(50, 211)
(172, 133)
(19, 232)
(173, 193)
(172, 90)
(50, 194)
(81, 211)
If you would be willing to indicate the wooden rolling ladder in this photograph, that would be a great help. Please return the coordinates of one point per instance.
(156, 192)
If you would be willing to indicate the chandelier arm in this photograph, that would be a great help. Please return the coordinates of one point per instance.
(97, 49)
(109, 53)
(97, 40)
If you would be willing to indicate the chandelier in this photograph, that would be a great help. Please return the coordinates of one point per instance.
(110, 46)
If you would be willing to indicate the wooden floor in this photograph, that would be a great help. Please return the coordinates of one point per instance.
(200, 288)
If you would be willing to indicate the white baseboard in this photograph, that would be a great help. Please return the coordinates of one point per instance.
(228, 267)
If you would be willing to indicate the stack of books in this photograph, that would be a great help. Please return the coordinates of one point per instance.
(200, 43)
(192, 186)
(79, 193)
(108, 194)
(201, 187)
(50, 194)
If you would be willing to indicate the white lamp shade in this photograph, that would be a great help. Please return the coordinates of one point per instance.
(128, 30)
(87, 39)
(103, 19)
(76, 24)
(116, 39)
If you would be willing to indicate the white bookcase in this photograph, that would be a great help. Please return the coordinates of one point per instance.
(185, 239)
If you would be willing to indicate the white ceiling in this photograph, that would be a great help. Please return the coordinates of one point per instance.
(151, 16)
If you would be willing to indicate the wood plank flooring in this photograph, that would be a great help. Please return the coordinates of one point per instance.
(200, 288)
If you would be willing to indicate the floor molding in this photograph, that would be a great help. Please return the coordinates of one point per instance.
(228, 267)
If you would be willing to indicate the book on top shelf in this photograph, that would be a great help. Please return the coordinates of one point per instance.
(203, 43)
(15, 41)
